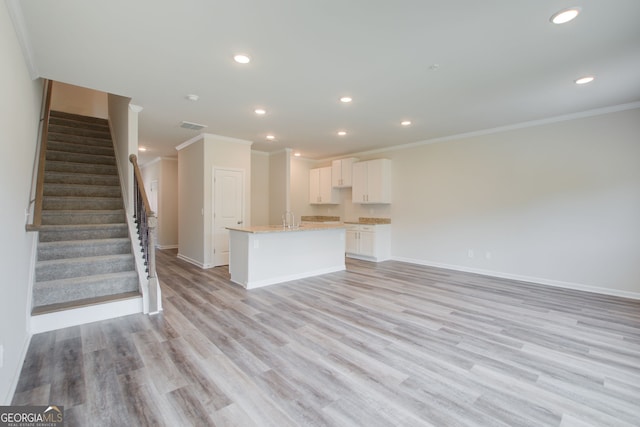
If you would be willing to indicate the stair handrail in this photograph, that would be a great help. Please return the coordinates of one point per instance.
(145, 219)
(44, 137)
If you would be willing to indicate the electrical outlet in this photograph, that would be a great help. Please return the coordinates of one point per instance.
(487, 255)
(1, 356)
(470, 253)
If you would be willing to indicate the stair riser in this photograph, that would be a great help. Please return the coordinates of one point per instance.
(79, 267)
(79, 178)
(102, 233)
(58, 121)
(81, 158)
(83, 140)
(70, 190)
(71, 203)
(66, 218)
(79, 131)
(81, 168)
(78, 250)
(45, 294)
(79, 148)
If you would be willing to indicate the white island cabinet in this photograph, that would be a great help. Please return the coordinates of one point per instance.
(261, 256)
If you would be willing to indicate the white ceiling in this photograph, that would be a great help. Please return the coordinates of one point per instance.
(500, 62)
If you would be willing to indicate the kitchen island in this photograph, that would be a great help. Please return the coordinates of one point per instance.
(265, 255)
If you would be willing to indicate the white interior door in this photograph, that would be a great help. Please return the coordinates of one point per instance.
(228, 197)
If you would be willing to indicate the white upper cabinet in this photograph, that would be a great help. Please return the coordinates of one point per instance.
(371, 181)
(341, 172)
(320, 189)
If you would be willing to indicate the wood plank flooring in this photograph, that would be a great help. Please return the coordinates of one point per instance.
(388, 344)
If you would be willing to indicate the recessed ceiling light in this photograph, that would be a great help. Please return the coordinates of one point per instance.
(584, 80)
(405, 122)
(342, 133)
(142, 149)
(346, 99)
(271, 137)
(193, 97)
(565, 15)
(242, 59)
(260, 111)
(297, 154)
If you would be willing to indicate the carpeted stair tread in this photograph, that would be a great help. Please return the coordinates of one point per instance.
(72, 147)
(53, 177)
(73, 122)
(81, 203)
(56, 269)
(70, 217)
(79, 131)
(83, 248)
(57, 233)
(84, 287)
(81, 190)
(94, 159)
(87, 302)
(78, 117)
(76, 139)
(84, 168)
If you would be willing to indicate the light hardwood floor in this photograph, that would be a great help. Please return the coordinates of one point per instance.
(388, 344)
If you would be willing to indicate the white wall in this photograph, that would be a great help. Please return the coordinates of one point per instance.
(259, 188)
(279, 176)
(557, 203)
(223, 152)
(168, 204)
(124, 131)
(79, 100)
(197, 159)
(19, 116)
(165, 172)
(191, 202)
(299, 187)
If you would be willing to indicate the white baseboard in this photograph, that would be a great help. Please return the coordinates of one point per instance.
(537, 280)
(194, 262)
(16, 377)
(290, 277)
(83, 315)
(162, 247)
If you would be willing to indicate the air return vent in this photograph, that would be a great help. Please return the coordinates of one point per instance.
(192, 126)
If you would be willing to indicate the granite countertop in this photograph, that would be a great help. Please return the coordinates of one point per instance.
(319, 218)
(370, 221)
(280, 228)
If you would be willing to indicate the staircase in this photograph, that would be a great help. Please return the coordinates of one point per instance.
(84, 251)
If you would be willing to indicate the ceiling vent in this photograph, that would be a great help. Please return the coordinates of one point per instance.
(192, 126)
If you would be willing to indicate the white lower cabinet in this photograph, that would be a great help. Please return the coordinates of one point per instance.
(370, 242)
